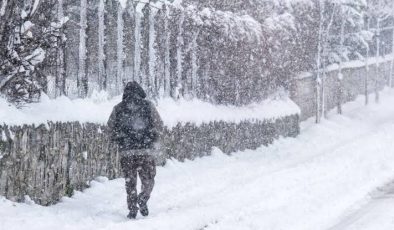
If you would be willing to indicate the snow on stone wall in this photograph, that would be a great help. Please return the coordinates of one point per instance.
(97, 109)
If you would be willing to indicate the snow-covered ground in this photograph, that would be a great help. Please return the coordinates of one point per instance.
(377, 213)
(312, 182)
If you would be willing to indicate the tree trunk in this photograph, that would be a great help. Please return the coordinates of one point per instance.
(377, 77)
(119, 51)
(82, 68)
(101, 44)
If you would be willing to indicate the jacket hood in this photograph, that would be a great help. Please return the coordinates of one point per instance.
(133, 91)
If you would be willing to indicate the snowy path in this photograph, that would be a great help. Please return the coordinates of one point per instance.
(375, 214)
(310, 182)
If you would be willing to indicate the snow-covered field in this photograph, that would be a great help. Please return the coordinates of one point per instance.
(312, 182)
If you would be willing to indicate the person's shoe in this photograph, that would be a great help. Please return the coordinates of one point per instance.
(144, 209)
(133, 213)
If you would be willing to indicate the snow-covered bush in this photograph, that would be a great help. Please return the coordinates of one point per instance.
(29, 43)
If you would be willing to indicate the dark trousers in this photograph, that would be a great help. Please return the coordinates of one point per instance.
(145, 167)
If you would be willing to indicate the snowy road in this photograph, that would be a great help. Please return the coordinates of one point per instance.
(315, 181)
(377, 213)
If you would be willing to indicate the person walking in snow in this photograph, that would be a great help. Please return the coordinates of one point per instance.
(135, 126)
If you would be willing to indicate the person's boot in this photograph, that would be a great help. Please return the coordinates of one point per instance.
(133, 213)
(143, 207)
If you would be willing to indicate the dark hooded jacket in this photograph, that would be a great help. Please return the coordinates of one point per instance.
(134, 123)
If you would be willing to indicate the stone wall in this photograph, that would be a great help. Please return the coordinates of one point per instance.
(47, 162)
(303, 91)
